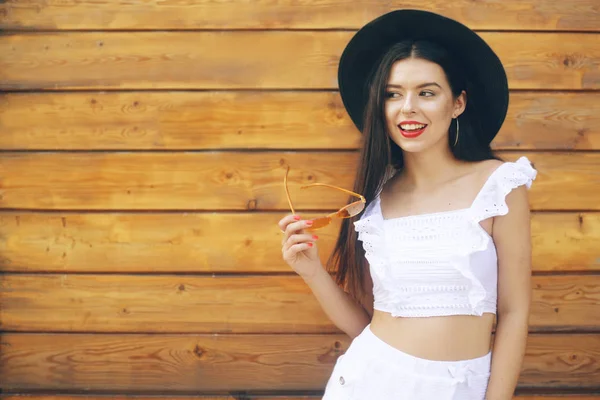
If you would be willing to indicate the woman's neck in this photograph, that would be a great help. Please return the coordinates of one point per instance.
(430, 168)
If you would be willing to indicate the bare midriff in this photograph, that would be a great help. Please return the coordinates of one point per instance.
(447, 338)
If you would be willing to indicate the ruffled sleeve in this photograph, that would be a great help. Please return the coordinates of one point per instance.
(491, 200)
(369, 227)
(370, 232)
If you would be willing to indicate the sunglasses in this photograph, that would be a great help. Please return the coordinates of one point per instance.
(347, 211)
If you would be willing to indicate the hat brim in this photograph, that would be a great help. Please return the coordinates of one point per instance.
(482, 66)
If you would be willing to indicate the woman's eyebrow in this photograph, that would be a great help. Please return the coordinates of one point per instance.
(418, 87)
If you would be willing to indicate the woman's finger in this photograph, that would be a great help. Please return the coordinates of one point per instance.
(288, 219)
(295, 249)
(295, 239)
(295, 227)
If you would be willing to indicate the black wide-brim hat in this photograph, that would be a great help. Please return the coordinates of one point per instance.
(482, 66)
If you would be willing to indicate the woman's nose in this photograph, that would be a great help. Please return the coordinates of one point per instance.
(409, 105)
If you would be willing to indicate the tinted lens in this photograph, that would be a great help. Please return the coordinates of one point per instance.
(351, 210)
(319, 223)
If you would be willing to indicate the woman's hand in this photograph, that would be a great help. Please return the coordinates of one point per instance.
(299, 249)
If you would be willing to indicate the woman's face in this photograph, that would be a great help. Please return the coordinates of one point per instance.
(419, 105)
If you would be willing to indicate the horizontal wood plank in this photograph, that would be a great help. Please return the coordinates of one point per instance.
(256, 59)
(115, 362)
(562, 302)
(247, 396)
(220, 242)
(239, 180)
(565, 242)
(240, 304)
(257, 120)
(284, 14)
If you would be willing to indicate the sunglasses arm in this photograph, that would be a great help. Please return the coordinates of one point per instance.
(335, 187)
(287, 192)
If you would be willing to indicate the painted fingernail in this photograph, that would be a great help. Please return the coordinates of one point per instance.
(315, 237)
(309, 222)
(297, 217)
(310, 245)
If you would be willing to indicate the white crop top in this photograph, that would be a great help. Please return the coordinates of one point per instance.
(443, 263)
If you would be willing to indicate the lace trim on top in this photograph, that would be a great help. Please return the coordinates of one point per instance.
(489, 202)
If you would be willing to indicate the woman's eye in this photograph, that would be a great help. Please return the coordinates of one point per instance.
(396, 95)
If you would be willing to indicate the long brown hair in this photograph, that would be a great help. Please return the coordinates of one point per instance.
(379, 154)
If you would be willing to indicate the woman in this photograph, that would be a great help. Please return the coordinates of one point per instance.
(443, 246)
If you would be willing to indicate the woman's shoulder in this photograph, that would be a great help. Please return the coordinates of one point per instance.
(520, 171)
(485, 168)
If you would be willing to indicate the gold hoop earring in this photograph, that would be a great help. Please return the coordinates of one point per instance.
(457, 130)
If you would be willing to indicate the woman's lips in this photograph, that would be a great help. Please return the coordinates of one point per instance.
(412, 134)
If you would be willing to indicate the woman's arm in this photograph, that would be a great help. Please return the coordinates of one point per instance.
(347, 314)
(299, 250)
(512, 237)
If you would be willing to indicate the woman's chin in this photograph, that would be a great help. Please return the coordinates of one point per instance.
(410, 144)
(418, 144)
(413, 145)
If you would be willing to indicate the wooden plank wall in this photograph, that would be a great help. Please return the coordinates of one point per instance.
(143, 146)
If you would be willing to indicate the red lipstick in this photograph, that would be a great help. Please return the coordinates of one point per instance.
(411, 134)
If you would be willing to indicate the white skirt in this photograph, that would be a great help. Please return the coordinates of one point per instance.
(374, 370)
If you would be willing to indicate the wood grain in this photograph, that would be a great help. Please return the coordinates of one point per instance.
(224, 242)
(174, 363)
(247, 396)
(256, 60)
(333, 14)
(238, 180)
(566, 242)
(229, 304)
(256, 120)
(98, 298)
